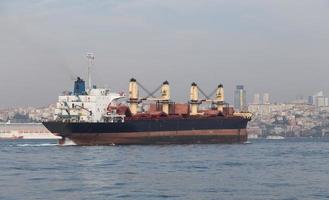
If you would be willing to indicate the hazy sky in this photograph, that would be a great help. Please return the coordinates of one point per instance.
(275, 46)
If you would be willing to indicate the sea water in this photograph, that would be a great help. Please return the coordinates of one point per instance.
(262, 169)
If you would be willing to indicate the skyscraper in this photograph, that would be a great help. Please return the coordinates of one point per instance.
(256, 99)
(319, 100)
(266, 98)
(240, 103)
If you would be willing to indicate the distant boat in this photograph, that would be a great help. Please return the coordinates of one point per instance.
(13, 131)
(11, 138)
(252, 136)
(275, 137)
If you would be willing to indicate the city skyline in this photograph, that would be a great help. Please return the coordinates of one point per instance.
(278, 47)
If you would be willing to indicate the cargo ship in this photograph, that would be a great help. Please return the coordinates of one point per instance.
(98, 116)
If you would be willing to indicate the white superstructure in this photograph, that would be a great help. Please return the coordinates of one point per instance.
(88, 107)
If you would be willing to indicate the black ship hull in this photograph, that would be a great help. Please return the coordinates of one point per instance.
(217, 129)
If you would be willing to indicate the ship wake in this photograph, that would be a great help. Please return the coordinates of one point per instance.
(37, 145)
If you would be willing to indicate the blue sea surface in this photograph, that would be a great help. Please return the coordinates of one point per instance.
(263, 169)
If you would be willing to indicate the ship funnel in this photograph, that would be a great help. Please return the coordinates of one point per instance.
(79, 87)
(194, 96)
(165, 97)
(133, 96)
(220, 97)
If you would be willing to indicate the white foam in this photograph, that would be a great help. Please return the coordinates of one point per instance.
(68, 142)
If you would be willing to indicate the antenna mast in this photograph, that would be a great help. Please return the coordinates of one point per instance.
(91, 58)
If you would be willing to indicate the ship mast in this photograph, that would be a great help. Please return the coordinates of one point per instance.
(91, 58)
